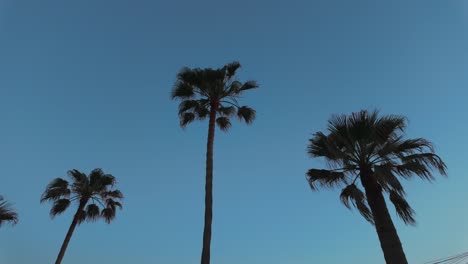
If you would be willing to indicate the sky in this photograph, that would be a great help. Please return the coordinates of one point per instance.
(86, 84)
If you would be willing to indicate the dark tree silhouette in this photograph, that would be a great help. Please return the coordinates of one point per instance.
(7, 214)
(213, 94)
(94, 195)
(373, 150)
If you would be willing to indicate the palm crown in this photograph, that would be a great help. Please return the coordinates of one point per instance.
(6, 213)
(365, 142)
(93, 193)
(203, 90)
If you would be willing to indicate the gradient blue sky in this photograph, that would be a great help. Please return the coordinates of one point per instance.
(86, 84)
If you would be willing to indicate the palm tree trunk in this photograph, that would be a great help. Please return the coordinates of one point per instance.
(205, 258)
(69, 234)
(388, 237)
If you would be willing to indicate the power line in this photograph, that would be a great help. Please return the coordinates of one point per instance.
(455, 259)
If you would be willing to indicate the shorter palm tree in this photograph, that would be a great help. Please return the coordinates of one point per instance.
(6, 213)
(94, 196)
(374, 151)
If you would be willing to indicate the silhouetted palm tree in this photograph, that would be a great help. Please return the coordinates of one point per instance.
(211, 93)
(374, 150)
(6, 213)
(94, 196)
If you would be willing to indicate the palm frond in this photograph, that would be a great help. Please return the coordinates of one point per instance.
(421, 165)
(113, 204)
(186, 119)
(321, 145)
(107, 181)
(189, 76)
(77, 176)
(231, 69)
(430, 160)
(59, 207)
(233, 89)
(338, 128)
(387, 180)
(343, 140)
(400, 147)
(187, 80)
(7, 214)
(227, 110)
(223, 123)
(92, 212)
(246, 114)
(387, 126)
(361, 127)
(403, 209)
(108, 214)
(198, 107)
(81, 216)
(203, 112)
(182, 90)
(112, 194)
(352, 196)
(325, 178)
(110, 211)
(248, 85)
(237, 88)
(188, 105)
(55, 190)
(95, 177)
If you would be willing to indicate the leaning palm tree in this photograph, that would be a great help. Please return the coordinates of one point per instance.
(93, 194)
(211, 93)
(6, 213)
(373, 150)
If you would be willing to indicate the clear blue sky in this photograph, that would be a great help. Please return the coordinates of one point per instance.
(86, 84)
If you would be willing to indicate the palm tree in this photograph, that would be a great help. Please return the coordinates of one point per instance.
(6, 213)
(374, 150)
(211, 93)
(94, 196)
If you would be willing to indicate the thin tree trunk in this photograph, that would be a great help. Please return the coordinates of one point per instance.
(205, 258)
(69, 234)
(388, 236)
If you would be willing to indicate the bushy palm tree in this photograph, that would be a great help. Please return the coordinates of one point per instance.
(373, 150)
(93, 194)
(213, 94)
(7, 214)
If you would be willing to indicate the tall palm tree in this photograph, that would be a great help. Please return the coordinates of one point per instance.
(373, 150)
(6, 213)
(211, 93)
(93, 194)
